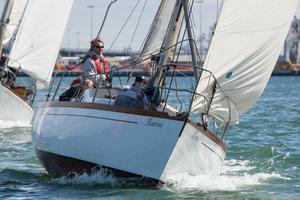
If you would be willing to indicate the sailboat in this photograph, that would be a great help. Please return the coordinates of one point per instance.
(36, 41)
(91, 134)
(10, 19)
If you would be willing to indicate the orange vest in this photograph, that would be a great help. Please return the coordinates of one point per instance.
(99, 65)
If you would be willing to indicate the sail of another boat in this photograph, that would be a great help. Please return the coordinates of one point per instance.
(38, 40)
(34, 51)
(13, 19)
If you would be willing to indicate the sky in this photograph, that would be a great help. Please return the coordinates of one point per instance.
(84, 20)
(78, 32)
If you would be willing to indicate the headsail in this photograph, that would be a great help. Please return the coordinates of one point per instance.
(39, 37)
(245, 47)
(158, 27)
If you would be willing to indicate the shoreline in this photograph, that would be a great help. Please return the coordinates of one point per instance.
(137, 73)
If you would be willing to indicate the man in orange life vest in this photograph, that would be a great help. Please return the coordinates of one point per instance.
(95, 63)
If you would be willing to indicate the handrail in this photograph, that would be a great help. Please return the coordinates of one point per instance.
(187, 110)
(51, 85)
(205, 99)
(62, 76)
(34, 91)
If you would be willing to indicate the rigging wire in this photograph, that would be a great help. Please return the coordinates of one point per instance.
(137, 3)
(193, 30)
(183, 36)
(147, 35)
(138, 23)
(104, 19)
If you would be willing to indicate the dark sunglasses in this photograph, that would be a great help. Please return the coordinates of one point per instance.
(99, 47)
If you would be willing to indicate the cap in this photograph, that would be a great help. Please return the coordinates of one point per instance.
(140, 79)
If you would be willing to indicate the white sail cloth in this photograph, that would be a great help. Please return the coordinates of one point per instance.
(14, 19)
(245, 47)
(158, 27)
(39, 37)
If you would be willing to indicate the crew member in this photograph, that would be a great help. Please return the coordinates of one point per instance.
(95, 63)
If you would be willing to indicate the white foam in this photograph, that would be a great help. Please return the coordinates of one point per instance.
(234, 166)
(217, 183)
(10, 124)
(85, 179)
(236, 175)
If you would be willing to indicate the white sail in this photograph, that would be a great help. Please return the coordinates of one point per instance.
(245, 47)
(14, 19)
(39, 37)
(158, 27)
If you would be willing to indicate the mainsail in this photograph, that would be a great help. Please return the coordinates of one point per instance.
(246, 43)
(13, 20)
(158, 27)
(39, 37)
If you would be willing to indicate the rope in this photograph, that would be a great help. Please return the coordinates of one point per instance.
(137, 3)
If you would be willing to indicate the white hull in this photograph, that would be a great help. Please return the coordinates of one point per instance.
(144, 145)
(195, 153)
(13, 108)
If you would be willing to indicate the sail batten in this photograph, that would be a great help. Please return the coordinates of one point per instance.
(39, 37)
(243, 52)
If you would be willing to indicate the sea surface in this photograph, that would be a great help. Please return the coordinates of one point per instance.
(263, 159)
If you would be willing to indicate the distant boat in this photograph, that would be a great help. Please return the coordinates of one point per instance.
(36, 41)
(19, 98)
(91, 133)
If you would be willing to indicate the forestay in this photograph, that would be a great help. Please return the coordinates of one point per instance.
(39, 37)
(158, 27)
(14, 19)
(245, 47)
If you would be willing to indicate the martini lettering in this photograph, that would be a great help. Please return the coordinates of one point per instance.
(151, 122)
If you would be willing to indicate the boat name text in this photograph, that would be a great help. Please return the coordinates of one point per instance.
(152, 122)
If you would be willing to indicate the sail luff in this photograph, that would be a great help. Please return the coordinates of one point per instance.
(244, 49)
(39, 37)
(170, 38)
(158, 27)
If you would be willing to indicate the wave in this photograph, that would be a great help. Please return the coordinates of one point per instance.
(235, 175)
(85, 179)
(10, 124)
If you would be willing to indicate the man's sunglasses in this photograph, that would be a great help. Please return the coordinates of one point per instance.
(99, 47)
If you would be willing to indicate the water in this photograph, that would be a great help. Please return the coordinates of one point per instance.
(263, 160)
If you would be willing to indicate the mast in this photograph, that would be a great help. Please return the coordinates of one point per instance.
(172, 31)
(191, 38)
(5, 20)
(180, 9)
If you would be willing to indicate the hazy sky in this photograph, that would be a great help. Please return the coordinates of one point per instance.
(78, 30)
(79, 26)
